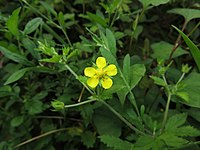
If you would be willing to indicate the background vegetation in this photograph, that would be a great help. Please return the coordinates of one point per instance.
(45, 102)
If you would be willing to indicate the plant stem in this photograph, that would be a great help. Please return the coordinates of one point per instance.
(40, 136)
(166, 113)
(133, 101)
(122, 118)
(78, 104)
(76, 76)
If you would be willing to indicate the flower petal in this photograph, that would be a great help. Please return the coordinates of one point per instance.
(90, 72)
(101, 62)
(106, 82)
(93, 82)
(111, 70)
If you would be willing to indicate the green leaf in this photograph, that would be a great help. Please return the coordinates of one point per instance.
(30, 46)
(162, 51)
(175, 121)
(32, 25)
(171, 140)
(190, 86)
(15, 57)
(108, 55)
(153, 2)
(15, 122)
(111, 127)
(186, 131)
(193, 48)
(187, 13)
(88, 139)
(12, 22)
(61, 19)
(126, 68)
(158, 81)
(97, 19)
(54, 59)
(115, 143)
(111, 41)
(136, 73)
(144, 143)
(16, 76)
(34, 107)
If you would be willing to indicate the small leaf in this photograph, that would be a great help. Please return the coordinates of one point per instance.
(126, 68)
(158, 81)
(115, 143)
(12, 22)
(15, 122)
(186, 131)
(97, 19)
(16, 76)
(193, 48)
(32, 25)
(34, 107)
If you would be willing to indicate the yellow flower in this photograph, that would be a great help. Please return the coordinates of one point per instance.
(100, 74)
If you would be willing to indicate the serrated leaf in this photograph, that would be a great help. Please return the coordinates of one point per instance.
(115, 143)
(187, 13)
(172, 140)
(32, 25)
(175, 121)
(144, 143)
(15, 57)
(17, 121)
(158, 81)
(88, 139)
(186, 131)
(193, 48)
(12, 22)
(16, 76)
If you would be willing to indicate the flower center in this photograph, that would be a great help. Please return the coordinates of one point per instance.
(100, 73)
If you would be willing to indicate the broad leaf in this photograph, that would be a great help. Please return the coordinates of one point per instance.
(12, 22)
(190, 86)
(17, 121)
(187, 13)
(193, 48)
(153, 2)
(162, 51)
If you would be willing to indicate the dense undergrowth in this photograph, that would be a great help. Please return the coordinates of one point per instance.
(103, 75)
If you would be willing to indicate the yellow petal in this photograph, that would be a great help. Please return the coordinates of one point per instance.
(106, 82)
(93, 82)
(101, 62)
(90, 72)
(111, 70)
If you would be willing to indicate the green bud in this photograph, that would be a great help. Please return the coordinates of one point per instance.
(186, 68)
(58, 105)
